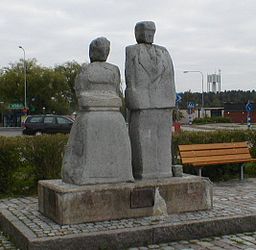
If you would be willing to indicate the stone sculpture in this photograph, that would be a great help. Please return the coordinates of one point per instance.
(98, 149)
(150, 98)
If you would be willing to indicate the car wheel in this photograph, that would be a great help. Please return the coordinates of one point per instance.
(38, 133)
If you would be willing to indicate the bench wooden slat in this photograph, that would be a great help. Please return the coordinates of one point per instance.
(221, 159)
(197, 153)
(212, 146)
(203, 164)
(201, 155)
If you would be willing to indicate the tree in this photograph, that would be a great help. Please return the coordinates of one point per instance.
(217, 99)
(70, 70)
(12, 83)
(49, 88)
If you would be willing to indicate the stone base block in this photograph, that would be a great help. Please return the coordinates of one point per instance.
(71, 204)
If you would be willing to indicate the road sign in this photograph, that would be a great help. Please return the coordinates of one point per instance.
(178, 98)
(249, 107)
(16, 106)
(191, 105)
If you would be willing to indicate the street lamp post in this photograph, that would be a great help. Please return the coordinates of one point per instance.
(2, 113)
(202, 77)
(25, 78)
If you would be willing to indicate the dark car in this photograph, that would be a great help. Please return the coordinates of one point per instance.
(47, 124)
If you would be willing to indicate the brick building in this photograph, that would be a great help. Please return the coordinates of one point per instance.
(237, 112)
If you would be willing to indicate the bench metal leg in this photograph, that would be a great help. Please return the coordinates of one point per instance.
(200, 172)
(242, 172)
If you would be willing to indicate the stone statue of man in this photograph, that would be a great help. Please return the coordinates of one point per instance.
(150, 98)
(98, 149)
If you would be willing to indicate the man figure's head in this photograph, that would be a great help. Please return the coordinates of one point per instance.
(144, 32)
(99, 49)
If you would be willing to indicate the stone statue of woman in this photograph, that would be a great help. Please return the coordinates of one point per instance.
(98, 149)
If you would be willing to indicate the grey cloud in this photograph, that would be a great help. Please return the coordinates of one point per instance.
(200, 35)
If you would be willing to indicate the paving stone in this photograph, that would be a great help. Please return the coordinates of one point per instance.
(249, 239)
(167, 248)
(205, 244)
(163, 244)
(230, 199)
(153, 247)
(216, 248)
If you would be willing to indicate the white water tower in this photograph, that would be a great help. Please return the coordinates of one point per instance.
(214, 82)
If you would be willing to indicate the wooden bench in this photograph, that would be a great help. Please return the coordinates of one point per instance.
(201, 155)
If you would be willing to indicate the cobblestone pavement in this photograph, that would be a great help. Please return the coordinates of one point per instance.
(232, 198)
(5, 243)
(245, 241)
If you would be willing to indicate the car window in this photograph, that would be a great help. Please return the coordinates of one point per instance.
(62, 120)
(49, 119)
(36, 119)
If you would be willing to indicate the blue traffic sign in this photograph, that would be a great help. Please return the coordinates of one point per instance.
(191, 105)
(178, 98)
(249, 107)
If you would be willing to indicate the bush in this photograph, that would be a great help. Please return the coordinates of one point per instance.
(214, 119)
(25, 160)
(217, 172)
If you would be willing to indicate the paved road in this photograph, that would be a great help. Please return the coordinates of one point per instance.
(205, 127)
(216, 126)
(10, 132)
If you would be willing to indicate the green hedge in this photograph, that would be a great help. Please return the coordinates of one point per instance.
(26, 159)
(214, 119)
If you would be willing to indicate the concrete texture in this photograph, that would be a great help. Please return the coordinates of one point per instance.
(97, 86)
(98, 149)
(144, 32)
(234, 211)
(151, 138)
(239, 241)
(149, 72)
(99, 49)
(149, 77)
(150, 97)
(177, 170)
(70, 204)
(5, 243)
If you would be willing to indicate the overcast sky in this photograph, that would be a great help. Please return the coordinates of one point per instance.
(204, 35)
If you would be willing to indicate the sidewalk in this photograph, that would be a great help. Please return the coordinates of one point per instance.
(234, 212)
(240, 241)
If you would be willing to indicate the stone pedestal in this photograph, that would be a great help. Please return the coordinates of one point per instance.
(71, 204)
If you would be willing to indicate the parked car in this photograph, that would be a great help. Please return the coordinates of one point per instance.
(47, 124)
